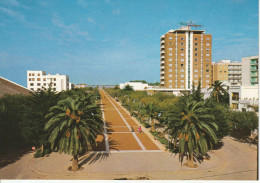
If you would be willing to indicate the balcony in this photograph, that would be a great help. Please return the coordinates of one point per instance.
(162, 82)
(162, 62)
(162, 67)
(162, 56)
(162, 41)
(162, 52)
(162, 47)
(162, 77)
(162, 72)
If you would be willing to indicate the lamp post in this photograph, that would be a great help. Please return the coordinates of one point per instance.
(128, 101)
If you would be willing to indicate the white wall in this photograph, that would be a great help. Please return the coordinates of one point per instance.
(135, 85)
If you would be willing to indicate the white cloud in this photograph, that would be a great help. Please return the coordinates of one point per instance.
(90, 20)
(14, 3)
(116, 12)
(69, 32)
(12, 13)
(82, 3)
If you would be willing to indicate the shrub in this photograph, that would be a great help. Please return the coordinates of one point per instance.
(38, 153)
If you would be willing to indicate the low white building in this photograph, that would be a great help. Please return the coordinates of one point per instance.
(243, 98)
(135, 85)
(37, 80)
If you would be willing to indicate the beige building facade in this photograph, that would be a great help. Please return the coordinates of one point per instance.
(225, 70)
(185, 58)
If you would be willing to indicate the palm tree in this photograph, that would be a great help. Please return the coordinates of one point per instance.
(74, 125)
(151, 112)
(193, 126)
(218, 90)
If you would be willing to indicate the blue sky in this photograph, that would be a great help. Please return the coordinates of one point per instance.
(114, 41)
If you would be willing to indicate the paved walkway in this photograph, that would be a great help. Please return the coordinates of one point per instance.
(234, 161)
(118, 132)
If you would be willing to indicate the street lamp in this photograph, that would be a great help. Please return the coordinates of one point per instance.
(128, 101)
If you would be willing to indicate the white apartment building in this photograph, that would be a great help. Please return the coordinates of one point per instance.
(235, 73)
(37, 80)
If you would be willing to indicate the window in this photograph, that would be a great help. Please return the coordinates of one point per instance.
(207, 81)
(30, 74)
(182, 49)
(182, 86)
(207, 38)
(235, 96)
(170, 54)
(195, 70)
(182, 59)
(182, 38)
(195, 60)
(207, 55)
(32, 89)
(170, 86)
(54, 79)
(182, 54)
(54, 84)
(170, 49)
(182, 70)
(182, 76)
(38, 74)
(207, 76)
(196, 49)
(196, 54)
(170, 81)
(54, 89)
(30, 79)
(170, 59)
(31, 84)
(196, 44)
(207, 44)
(220, 71)
(196, 76)
(170, 65)
(38, 79)
(182, 81)
(38, 84)
(195, 81)
(170, 43)
(44, 79)
(196, 38)
(196, 65)
(170, 70)
(207, 70)
(207, 49)
(170, 75)
(170, 37)
(44, 84)
(182, 65)
(182, 44)
(207, 59)
(207, 65)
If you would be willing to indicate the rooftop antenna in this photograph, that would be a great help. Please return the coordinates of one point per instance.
(190, 25)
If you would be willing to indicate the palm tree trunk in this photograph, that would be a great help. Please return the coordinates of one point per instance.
(190, 162)
(75, 163)
(217, 98)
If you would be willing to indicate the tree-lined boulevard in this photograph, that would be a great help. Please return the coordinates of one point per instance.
(74, 125)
